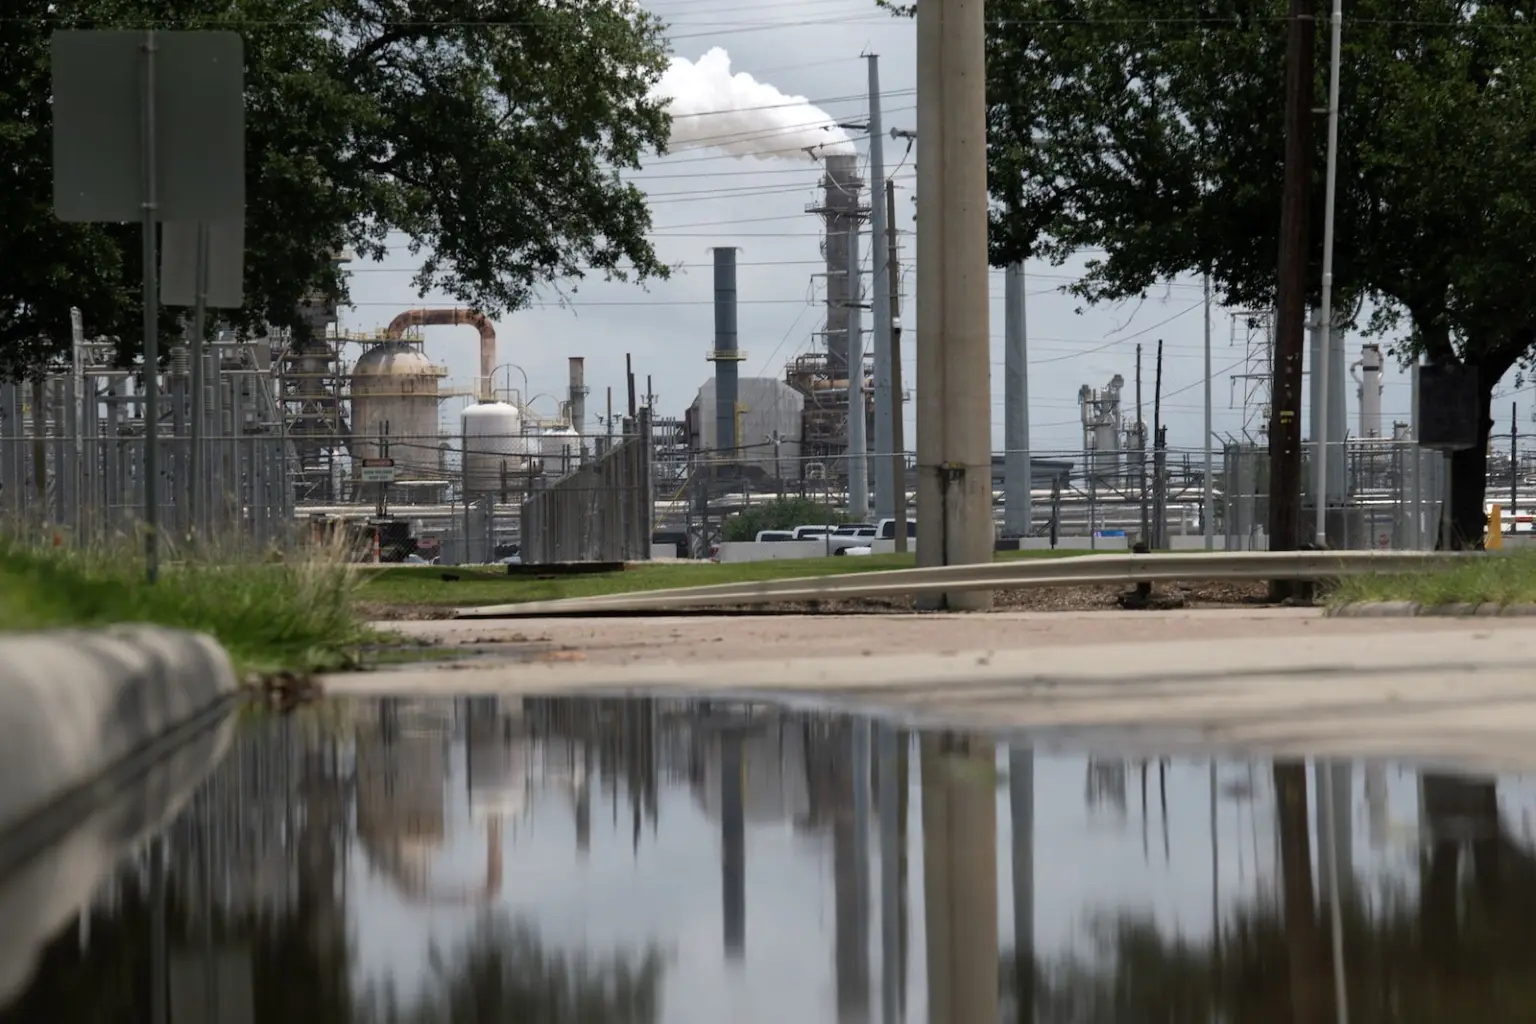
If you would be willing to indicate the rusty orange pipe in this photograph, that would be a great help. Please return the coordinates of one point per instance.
(453, 317)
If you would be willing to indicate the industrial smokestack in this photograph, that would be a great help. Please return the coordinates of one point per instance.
(578, 399)
(443, 317)
(840, 206)
(713, 109)
(725, 354)
(1370, 391)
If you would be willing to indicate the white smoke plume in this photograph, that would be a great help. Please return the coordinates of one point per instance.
(737, 114)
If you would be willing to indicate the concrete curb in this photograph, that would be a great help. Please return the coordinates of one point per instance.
(1410, 609)
(76, 703)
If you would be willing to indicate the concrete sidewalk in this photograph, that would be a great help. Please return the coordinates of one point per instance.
(700, 638)
(1283, 682)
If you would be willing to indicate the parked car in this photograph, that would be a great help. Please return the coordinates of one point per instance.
(774, 536)
(845, 539)
(812, 532)
(888, 529)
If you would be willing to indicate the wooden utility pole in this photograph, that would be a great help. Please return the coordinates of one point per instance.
(898, 424)
(1141, 458)
(1291, 294)
(1159, 486)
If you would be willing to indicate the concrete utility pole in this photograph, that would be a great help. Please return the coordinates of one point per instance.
(858, 443)
(1325, 319)
(954, 434)
(898, 453)
(1290, 307)
(1017, 475)
(880, 301)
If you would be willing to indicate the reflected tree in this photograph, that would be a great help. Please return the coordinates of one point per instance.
(1460, 948)
(504, 972)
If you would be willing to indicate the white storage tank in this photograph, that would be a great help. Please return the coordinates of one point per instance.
(493, 441)
(561, 448)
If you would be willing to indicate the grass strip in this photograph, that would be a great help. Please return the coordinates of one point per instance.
(1502, 579)
(294, 615)
(431, 585)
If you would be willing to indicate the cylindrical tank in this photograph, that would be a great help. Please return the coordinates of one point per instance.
(561, 448)
(394, 392)
(493, 441)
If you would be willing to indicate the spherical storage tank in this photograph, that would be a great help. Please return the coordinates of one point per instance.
(493, 439)
(394, 388)
(561, 447)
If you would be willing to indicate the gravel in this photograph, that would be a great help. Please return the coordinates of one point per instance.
(1216, 594)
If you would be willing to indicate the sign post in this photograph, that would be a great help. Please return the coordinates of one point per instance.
(377, 471)
(382, 473)
(201, 265)
(149, 126)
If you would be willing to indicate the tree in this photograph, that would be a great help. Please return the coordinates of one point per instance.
(780, 514)
(1152, 130)
(503, 971)
(487, 137)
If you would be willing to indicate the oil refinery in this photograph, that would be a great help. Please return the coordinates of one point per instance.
(363, 432)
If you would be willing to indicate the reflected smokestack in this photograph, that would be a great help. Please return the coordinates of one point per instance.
(733, 845)
(1021, 800)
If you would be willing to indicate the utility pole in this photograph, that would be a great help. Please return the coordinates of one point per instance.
(858, 443)
(880, 300)
(1141, 458)
(777, 440)
(383, 451)
(1207, 505)
(897, 454)
(954, 372)
(1158, 519)
(1325, 324)
(1291, 293)
(1017, 475)
(1514, 461)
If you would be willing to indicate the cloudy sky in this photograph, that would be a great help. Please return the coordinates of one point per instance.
(703, 197)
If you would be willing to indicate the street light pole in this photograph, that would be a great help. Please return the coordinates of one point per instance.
(1325, 326)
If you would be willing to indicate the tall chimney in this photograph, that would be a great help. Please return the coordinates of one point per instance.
(725, 354)
(840, 206)
(1370, 390)
(578, 400)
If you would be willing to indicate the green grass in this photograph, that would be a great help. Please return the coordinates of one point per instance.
(424, 585)
(1502, 579)
(286, 615)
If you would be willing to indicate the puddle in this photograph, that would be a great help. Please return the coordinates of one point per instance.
(596, 860)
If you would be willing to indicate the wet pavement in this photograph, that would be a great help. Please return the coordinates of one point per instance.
(582, 859)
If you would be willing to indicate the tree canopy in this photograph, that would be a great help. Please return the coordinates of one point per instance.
(486, 137)
(1153, 130)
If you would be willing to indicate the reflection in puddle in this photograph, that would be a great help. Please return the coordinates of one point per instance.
(599, 861)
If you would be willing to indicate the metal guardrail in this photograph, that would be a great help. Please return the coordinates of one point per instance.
(1083, 570)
